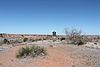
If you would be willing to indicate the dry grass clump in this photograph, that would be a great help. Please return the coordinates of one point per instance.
(32, 51)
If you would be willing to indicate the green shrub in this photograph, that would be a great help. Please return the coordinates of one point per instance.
(81, 42)
(95, 43)
(33, 40)
(6, 41)
(31, 51)
(38, 39)
(25, 39)
(1, 35)
(39, 50)
(62, 39)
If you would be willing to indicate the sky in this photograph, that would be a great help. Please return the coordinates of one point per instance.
(46, 16)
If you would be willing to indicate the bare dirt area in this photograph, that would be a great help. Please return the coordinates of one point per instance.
(87, 57)
(61, 55)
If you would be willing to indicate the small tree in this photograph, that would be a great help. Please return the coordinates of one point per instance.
(74, 35)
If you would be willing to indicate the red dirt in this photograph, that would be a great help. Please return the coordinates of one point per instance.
(57, 57)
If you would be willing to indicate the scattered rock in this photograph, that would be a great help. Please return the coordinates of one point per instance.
(92, 45)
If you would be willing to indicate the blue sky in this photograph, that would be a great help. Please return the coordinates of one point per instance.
(45, 16)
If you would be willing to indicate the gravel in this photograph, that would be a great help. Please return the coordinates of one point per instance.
(88, 57)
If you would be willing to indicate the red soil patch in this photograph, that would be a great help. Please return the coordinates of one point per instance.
(57, 57)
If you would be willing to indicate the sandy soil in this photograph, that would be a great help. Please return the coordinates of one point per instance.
(58, 56)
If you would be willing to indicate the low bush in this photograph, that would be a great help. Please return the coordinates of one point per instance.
(31, 51)
(81, 42)
(95, 43)
(62, 39)
(34, 40)
(25, 39)
(1, 35)
(6, 41)
(38, 39)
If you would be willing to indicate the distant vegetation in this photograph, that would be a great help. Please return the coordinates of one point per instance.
(6, 41)
(81, 42)
(74, 35)
(1, 35)
(62, 38)
(25, 39)
(30, 40)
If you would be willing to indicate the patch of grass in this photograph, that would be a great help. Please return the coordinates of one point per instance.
(31, 51)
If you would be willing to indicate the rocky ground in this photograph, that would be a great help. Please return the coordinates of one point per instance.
(60, 55)
(87, 57)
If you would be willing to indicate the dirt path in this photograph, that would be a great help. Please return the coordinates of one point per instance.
(59, 56)
(56, 57)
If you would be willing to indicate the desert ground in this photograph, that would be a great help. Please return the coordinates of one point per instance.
(59, 55)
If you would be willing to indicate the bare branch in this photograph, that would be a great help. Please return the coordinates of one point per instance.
(73, 34)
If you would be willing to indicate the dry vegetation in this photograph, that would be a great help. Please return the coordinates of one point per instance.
(49, 51)
(31, 51)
